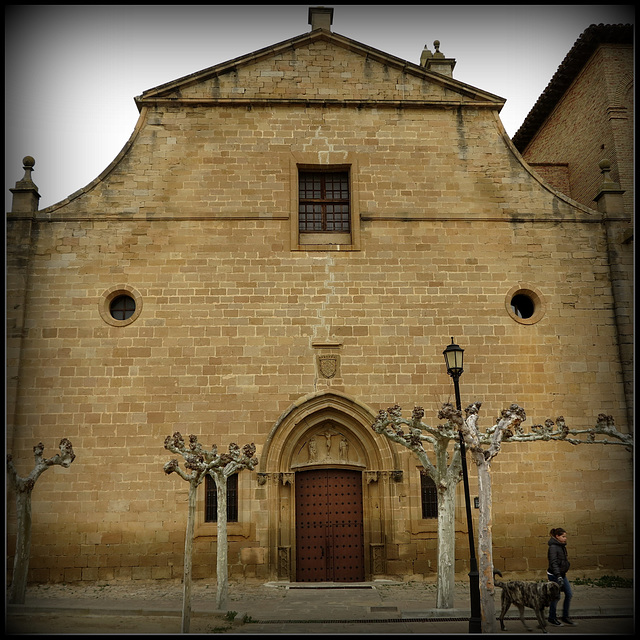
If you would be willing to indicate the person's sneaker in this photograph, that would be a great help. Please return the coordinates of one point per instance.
(568, 621)
(555, 622)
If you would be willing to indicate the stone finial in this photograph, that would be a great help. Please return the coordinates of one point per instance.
(437, 62)
(609, 196)
(605, 169)
(27, 164)
(426, 54)
(25, 193)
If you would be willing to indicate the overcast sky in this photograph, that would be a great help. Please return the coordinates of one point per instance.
(72, 71)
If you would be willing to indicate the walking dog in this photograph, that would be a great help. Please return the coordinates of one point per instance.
(536, 595)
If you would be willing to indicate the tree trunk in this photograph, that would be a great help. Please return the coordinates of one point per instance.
(446, 545)
(18, 588)
(222, 570)
(485, 547)
(188, 557)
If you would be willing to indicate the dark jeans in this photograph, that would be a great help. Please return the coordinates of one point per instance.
(568, 594)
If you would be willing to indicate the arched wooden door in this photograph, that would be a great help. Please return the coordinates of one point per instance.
(329, 531)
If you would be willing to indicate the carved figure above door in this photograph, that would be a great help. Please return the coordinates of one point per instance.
(328, 445)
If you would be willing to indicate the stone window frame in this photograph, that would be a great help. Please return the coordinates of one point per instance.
(324, 161)
(536, 297)
(104, 305)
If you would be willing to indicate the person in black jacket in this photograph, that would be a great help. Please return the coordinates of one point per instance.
(557, 572)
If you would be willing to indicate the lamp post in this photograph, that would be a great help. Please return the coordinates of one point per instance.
(453, 357)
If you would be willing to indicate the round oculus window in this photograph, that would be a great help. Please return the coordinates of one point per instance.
(120, 305)
(525, 304)
(522, 306)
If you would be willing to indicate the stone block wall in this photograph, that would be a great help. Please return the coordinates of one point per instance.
(195, 222)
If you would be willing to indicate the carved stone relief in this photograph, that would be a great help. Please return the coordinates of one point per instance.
(377, 558)
(328, 365)
(276, 478)
(327, 445)
(371, 476)
(284, 562)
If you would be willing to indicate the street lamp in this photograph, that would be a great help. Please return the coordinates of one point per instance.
(453, 357)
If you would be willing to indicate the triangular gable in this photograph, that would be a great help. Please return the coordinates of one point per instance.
(318, 66)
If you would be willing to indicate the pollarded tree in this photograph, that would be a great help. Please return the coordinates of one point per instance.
(483, 447)
(445, 470)
(509, 421)
(201, 463)
(23, 488)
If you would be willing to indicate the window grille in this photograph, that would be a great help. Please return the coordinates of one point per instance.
(211, 499)
(323, 202)
(122, 307)
(429, 494)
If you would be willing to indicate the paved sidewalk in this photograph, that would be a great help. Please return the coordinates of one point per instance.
(277, 607)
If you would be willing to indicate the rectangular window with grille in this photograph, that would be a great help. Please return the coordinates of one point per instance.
(323, 202)
(211, 499)
(429, 494)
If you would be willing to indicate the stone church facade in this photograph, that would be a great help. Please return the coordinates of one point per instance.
(285, 246)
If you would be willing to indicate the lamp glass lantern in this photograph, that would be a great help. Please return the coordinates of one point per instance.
(453, 357)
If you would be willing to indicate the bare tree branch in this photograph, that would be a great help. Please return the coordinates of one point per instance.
(483, 446)
(23, 488)
(201, 463)
(445, 471)
(559, 431)
(64, 459)
(389, 421)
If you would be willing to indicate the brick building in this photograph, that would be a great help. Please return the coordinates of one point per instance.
(285, 245)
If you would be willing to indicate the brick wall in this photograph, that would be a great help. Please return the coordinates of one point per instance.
(555, 174)
(593, 121)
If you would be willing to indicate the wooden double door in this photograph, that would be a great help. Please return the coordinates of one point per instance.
(329, 527)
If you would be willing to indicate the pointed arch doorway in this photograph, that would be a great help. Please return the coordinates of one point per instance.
(329, 526)
(320, 448)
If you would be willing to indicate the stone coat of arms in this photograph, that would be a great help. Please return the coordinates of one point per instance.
(328, 365)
